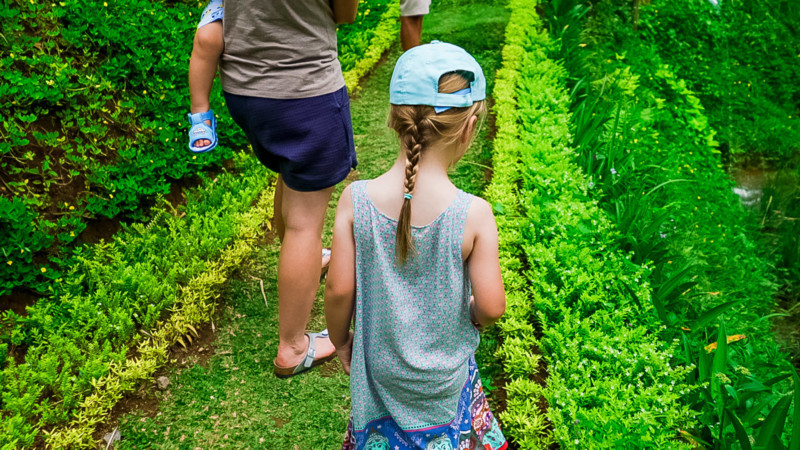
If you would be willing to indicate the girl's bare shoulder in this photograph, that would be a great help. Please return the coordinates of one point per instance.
(480, 213)
(480, 226)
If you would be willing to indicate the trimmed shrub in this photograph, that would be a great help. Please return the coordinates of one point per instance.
(575, 301)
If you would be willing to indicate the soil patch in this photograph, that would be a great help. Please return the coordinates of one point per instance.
(785, 326)
(279, 422)
(17, 301)
(100, 229)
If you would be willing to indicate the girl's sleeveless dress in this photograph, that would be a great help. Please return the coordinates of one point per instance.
(413, 379)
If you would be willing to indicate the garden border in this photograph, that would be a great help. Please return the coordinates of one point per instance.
(566, 281)
(194, 309)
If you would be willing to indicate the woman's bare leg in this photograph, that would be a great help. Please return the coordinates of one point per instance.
(303, 216)
(208, 46)
(278, 221)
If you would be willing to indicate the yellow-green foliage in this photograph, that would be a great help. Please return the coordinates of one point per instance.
(196, 305)
(116, 294)
(383, 36)
(609, 381)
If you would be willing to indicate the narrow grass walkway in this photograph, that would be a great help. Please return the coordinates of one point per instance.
(234, 401)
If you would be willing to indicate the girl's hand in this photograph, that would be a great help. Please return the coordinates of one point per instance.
(345, 353)
(472, 317)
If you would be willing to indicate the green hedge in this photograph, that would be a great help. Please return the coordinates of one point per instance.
(573, 296)
(710, 277)
(113, 291)
(94, 116)
(120, 305)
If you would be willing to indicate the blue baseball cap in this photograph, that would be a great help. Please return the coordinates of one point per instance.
(415, 80)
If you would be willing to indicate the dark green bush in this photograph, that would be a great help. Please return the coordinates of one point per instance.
(20, 240)
(742, 60)
(94, 110)
(668, 194)
(579, 311)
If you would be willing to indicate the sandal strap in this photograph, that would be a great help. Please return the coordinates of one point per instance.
(200, 131)
(311, 353)
(198, 118)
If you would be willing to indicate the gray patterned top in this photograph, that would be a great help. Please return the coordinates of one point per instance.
(413, 337)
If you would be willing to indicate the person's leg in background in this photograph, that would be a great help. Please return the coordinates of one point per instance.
(280, 227)
(412, 12)
(309, 142)
(410, 31)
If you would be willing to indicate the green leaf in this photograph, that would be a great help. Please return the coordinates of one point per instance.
(752, 412)
(676, 284)
(741, 434)
(721, 356)
(776, 379)
(712, 314)
(732, 392)
(773, 425)
(704, 365)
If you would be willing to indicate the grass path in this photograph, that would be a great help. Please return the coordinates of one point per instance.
(233, 400)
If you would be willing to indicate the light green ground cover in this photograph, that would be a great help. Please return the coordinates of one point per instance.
(576, 303)
(234, 400)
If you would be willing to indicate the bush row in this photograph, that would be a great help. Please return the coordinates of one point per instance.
(94, 117)
(122, 304)
(363, 42)
(644, 140)
(585, 365)
(195, 305)
(114, 297)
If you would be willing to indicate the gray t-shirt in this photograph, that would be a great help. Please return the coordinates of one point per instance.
(280, 49)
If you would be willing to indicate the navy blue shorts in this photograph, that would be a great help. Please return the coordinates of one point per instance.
(309, 141)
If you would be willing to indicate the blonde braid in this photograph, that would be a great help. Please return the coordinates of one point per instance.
(413, 153)
(413, 141)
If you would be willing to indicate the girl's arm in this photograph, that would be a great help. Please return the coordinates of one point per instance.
(344, 11)
(340, 288)
(484, 265)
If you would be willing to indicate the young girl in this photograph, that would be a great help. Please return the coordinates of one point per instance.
(408, 247)
(208, 46)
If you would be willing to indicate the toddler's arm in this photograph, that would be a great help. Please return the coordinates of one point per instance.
(340, 288)
(484, 266)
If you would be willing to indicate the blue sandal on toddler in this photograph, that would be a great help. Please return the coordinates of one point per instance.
(200, 131)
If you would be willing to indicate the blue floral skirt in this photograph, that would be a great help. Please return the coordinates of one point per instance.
(475, 427)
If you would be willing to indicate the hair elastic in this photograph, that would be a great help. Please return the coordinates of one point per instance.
(407, 196)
